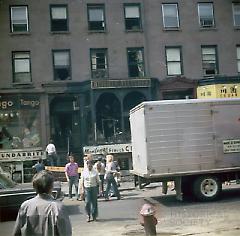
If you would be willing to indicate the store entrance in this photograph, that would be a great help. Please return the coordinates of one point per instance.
(65, 124)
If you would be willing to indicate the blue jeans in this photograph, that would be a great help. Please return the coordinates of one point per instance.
(91, 206)
(73, 180)
(111, 182)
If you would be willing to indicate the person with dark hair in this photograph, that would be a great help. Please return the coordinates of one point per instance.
(43, 215)
(39, 166)
(90, 181)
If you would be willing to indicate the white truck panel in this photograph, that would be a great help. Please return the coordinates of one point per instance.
(184, 135)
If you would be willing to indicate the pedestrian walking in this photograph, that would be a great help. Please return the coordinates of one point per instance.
(39, 166)
(42, 215)
(100, 168)
(72, 176)
(52, 158)
(90, 181)
(111, 168)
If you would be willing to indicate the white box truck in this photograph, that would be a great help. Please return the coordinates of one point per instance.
(195, 143)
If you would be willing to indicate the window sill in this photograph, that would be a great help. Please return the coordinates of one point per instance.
(97, 31)
(30, 84)
(19, 33)
(59, 32)
(236, 28)
(172, 29)
(208, 29)
(134, 31)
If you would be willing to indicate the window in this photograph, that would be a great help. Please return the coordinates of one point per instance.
(135, 62)
(238, 58)
(99, 66)
(205, 13)
(59, 18)
(96, 17)
(61, 64)
(173, 58)
(132, 17)
(21, 67)
(170, 15)
(19, 19)
(236, 14)
(209, 60)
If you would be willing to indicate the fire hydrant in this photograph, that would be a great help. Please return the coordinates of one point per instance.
(148, 219)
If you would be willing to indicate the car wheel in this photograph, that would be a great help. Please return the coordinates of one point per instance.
(207, 188)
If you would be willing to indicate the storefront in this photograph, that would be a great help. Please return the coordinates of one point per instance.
(219, 87)
(20, 134)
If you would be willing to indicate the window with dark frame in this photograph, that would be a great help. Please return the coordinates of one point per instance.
(19, 18)
(59, 18)
(61, 64)
(206, 15)
(21, 67)
(99, 63)
(135, 62)
(236, 14)
(96, 17)
(132, 15)
(209, 60)
(174, 60)
(170, 15)
(238, 58)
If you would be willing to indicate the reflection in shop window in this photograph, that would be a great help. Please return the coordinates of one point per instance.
(20, 125)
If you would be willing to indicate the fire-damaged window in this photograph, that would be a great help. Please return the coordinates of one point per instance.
(61, 64)
(209, 60)
(19, 122)
(99, 65)
(59, 18)
(135, 62)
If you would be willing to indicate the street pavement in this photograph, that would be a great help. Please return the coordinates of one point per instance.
(121, 217)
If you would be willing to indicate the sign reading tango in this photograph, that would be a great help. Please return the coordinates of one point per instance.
(21, 155)
(107, 149)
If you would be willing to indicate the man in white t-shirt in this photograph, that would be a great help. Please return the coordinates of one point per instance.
(52, 158)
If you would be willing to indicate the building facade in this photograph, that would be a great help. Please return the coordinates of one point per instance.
(72, 70)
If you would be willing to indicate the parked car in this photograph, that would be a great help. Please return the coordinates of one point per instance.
(12, 195)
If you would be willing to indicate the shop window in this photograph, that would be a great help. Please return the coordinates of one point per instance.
(96, 17)
(236, 14)
(61, 64)
(174, 60)
(206, 15)
(19, 19)
(170, 15)
(132, 17)
(99, 67)
(209, 60)
(59, 18)
(135, 62)
(21, 67)
(238, 58)
(20, 122)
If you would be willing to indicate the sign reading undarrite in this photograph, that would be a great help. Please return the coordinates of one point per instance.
(231, 145)
(21, 155)
(105, 149)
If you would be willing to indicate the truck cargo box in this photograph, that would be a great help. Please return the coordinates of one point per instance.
(175, 137)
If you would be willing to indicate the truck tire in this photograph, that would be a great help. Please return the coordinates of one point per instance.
(207, 188)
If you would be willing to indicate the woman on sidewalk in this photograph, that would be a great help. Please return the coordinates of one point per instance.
(89, 184)
(111, 168)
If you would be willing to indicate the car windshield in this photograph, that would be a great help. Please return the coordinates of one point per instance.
(5, 182)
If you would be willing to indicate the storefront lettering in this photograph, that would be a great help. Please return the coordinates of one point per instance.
(105, 149)
(31, 103)
(21, 155)
(6, 104)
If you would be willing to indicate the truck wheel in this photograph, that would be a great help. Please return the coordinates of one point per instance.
(207, 188)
